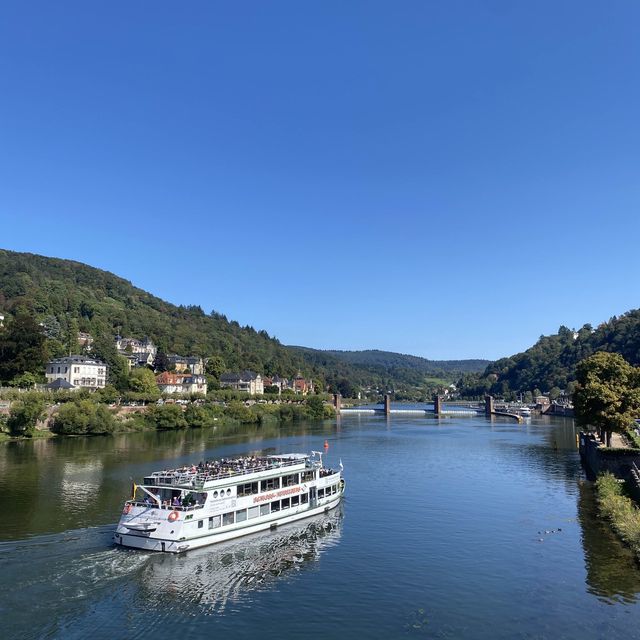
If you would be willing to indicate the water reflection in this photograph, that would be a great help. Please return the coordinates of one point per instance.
(213, 577)
(612, 571)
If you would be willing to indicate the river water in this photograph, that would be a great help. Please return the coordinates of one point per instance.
(452, 528)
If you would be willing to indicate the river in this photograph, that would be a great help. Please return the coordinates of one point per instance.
(451, 528)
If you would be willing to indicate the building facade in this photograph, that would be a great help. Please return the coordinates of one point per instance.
(79, 371)
(188, 383)
(246, 381)
(193, 364)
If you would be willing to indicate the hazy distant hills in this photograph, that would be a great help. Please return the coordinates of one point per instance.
(390, 361)
(68, 297)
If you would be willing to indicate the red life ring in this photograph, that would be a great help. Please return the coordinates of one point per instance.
(173, 516)
(127, 509)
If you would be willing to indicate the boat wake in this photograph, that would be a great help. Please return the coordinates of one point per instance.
(78, 584)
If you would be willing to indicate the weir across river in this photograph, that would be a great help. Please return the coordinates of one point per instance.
(439, 408)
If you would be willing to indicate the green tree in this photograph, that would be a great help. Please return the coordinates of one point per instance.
(25, 381)
(25, 413)
(166, 417)
(215, 366)
(142, 380)
(22, 348)
(197, 417)
(104, 349)
(315, 405)
(161, 362)
(607, 394)
(83, 417)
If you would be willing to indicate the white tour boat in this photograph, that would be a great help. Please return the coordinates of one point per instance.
(191, 507)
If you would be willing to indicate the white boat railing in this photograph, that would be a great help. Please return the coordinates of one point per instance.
(200, 477)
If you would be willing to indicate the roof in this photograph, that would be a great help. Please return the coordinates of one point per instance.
(60, 383)
(77, 360)
(237, 377)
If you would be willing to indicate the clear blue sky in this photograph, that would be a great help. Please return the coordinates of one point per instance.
(448, 179)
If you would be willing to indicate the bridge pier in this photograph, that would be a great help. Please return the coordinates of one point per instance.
(337, 402)
(437, 405)
(488, 405)
(387, 404)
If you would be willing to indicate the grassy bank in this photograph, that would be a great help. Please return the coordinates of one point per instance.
(85, 416)
(616, 506)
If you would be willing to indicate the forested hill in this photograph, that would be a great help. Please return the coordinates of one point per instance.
(388, 361)
(551, 362)
(67, 297)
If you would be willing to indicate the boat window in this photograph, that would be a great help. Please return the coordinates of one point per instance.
(200, 524)
(290, 480)
(270, 484)
(214, 522)
(227, 518)
(275, 506)
(254, 512)
(264, 509)
(228, 492)
(320, 493)
(295, 501)
(247, 489)
(215, 494)
(286, 503)
(304, 498)
(308, 476)
(241, 515)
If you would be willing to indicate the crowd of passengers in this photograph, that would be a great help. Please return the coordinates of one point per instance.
(225, 467)
(232, 466)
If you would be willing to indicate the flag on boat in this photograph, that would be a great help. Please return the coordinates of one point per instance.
(134, 486)
(341, 467)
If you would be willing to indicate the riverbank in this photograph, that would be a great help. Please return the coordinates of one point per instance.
(87, 417)
(620, 510)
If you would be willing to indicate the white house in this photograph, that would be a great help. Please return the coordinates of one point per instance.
(79, 371)
(246, 381)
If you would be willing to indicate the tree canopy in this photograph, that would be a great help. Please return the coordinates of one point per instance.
(607, 393)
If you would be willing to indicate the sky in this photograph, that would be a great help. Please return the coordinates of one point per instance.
(446, 179)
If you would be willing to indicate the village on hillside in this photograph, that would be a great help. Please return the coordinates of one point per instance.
(175, 374)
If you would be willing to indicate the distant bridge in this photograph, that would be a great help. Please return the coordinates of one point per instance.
(439, 409)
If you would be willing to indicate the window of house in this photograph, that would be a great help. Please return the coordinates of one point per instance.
(76, 369)
(58, 369)
(227, 518)
(264, 510)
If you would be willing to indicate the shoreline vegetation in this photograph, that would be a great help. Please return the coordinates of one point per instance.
(620, 510)
(79, 413)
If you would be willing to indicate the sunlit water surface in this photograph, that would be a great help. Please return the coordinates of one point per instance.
(458, 528)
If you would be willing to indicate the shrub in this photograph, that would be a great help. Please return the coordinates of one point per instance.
(24, 414)
(83, 417)
(166, 416)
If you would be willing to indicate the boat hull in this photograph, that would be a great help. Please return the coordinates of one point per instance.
(167, 545)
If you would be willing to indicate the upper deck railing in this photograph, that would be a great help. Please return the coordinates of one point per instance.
(196, 476)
